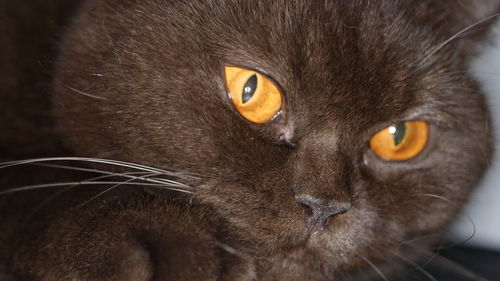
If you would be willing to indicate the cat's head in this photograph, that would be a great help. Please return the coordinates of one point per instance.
(368, 131)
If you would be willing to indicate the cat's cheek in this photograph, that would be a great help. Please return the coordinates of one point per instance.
(275, 221)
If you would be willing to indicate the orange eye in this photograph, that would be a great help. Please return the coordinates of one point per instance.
(254, 95)
(401, 141)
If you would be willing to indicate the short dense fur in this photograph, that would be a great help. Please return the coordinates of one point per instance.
(141, 81)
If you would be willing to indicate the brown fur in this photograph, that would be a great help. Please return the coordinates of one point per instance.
(141, 81)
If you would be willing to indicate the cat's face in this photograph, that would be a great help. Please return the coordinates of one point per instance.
(345, 70)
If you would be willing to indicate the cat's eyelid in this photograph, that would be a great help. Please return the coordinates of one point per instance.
(252, 68)
(434, 119)
(431, 115)
(258, 70)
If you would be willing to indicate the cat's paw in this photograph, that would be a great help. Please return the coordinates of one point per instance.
(151, 241)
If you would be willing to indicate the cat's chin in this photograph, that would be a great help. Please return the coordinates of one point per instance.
(303, 263)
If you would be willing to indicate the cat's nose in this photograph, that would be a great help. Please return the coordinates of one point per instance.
(319, 212)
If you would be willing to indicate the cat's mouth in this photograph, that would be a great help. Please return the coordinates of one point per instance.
(310, 241)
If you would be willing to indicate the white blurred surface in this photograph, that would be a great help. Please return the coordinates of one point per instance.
(484, 206)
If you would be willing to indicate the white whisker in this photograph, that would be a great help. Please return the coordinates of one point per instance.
(375, 268)
(84, 93)
(107, 190)
(67, 188)
(474, 228)
(128, 175)
(449, 265)
(100, 161)
(84, 159)
(417, 267)
(59, 184)
(455, 36)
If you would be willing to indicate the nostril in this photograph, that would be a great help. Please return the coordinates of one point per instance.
(318, 212)
(338, 211)
(308, 211)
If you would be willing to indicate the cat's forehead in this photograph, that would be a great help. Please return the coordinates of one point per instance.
(358, 61)
(274, 34)
(347, 58)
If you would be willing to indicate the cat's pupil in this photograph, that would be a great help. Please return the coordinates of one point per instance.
(398, 131)
(249, 88)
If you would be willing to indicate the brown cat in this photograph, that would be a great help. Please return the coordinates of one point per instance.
(309, 140)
